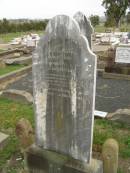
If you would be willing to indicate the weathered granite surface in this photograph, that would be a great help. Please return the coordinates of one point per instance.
(39, 161)
(85, 26)
(64, 73)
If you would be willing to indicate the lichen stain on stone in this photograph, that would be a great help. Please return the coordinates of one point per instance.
(59, 120)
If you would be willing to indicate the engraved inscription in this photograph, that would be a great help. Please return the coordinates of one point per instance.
(122, 55)
(64, 71)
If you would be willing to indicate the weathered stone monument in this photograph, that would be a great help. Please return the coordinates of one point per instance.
(119, 61)
(123, 54)
(64, 71)
(85, 26)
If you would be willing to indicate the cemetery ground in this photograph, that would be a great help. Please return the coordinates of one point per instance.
(7, 37)
(10, 68)
(11, 157)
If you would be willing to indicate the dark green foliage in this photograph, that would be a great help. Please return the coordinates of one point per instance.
(128, 17)
(94, 20)
(8, 27)
(115, 9)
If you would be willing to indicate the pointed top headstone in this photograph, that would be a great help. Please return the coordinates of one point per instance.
(64, 70)
(85, 25)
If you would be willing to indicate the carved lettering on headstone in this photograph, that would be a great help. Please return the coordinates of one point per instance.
(64, 71)
(123, 54)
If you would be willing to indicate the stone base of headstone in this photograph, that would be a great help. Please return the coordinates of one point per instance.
(39, 160)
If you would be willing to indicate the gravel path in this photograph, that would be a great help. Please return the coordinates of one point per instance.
(110, 94)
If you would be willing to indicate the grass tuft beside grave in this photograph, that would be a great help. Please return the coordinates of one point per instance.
(10, 68)
(2, 50)
(12, 111)
(105, 129)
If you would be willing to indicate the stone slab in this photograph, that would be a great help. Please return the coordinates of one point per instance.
(3, 140)
(39, 161)
(19, 95)
(120, 115)
(122, 55)
(21, 60)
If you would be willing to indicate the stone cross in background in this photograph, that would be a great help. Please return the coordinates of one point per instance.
(64, 71)
(85, 26)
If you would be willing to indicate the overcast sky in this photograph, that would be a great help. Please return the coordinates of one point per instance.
(12, 9)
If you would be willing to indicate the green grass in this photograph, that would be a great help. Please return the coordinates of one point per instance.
(120, 171)
(105, 129)
(9, 36)
(2, 50)
(9, 68)
(10, 113)
(102, 28)
(99, 28)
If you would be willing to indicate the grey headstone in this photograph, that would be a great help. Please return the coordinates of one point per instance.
(85, 26)
(64, 71)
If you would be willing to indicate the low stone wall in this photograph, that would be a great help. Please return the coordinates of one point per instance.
(21, 60)
(18, 95)
(14, 74)
(9, 51)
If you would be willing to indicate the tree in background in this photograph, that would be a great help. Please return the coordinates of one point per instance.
(115, 9)
(7, 26)
(94, 20)
(128, 17)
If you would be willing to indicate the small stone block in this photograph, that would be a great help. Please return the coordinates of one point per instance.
(40, 160)
(3, 140)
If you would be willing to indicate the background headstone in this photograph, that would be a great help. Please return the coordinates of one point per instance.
(123, 54)
(85, 26)
(64, 71)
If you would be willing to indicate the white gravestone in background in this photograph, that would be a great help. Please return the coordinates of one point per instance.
(122, 54)
(64, 71)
